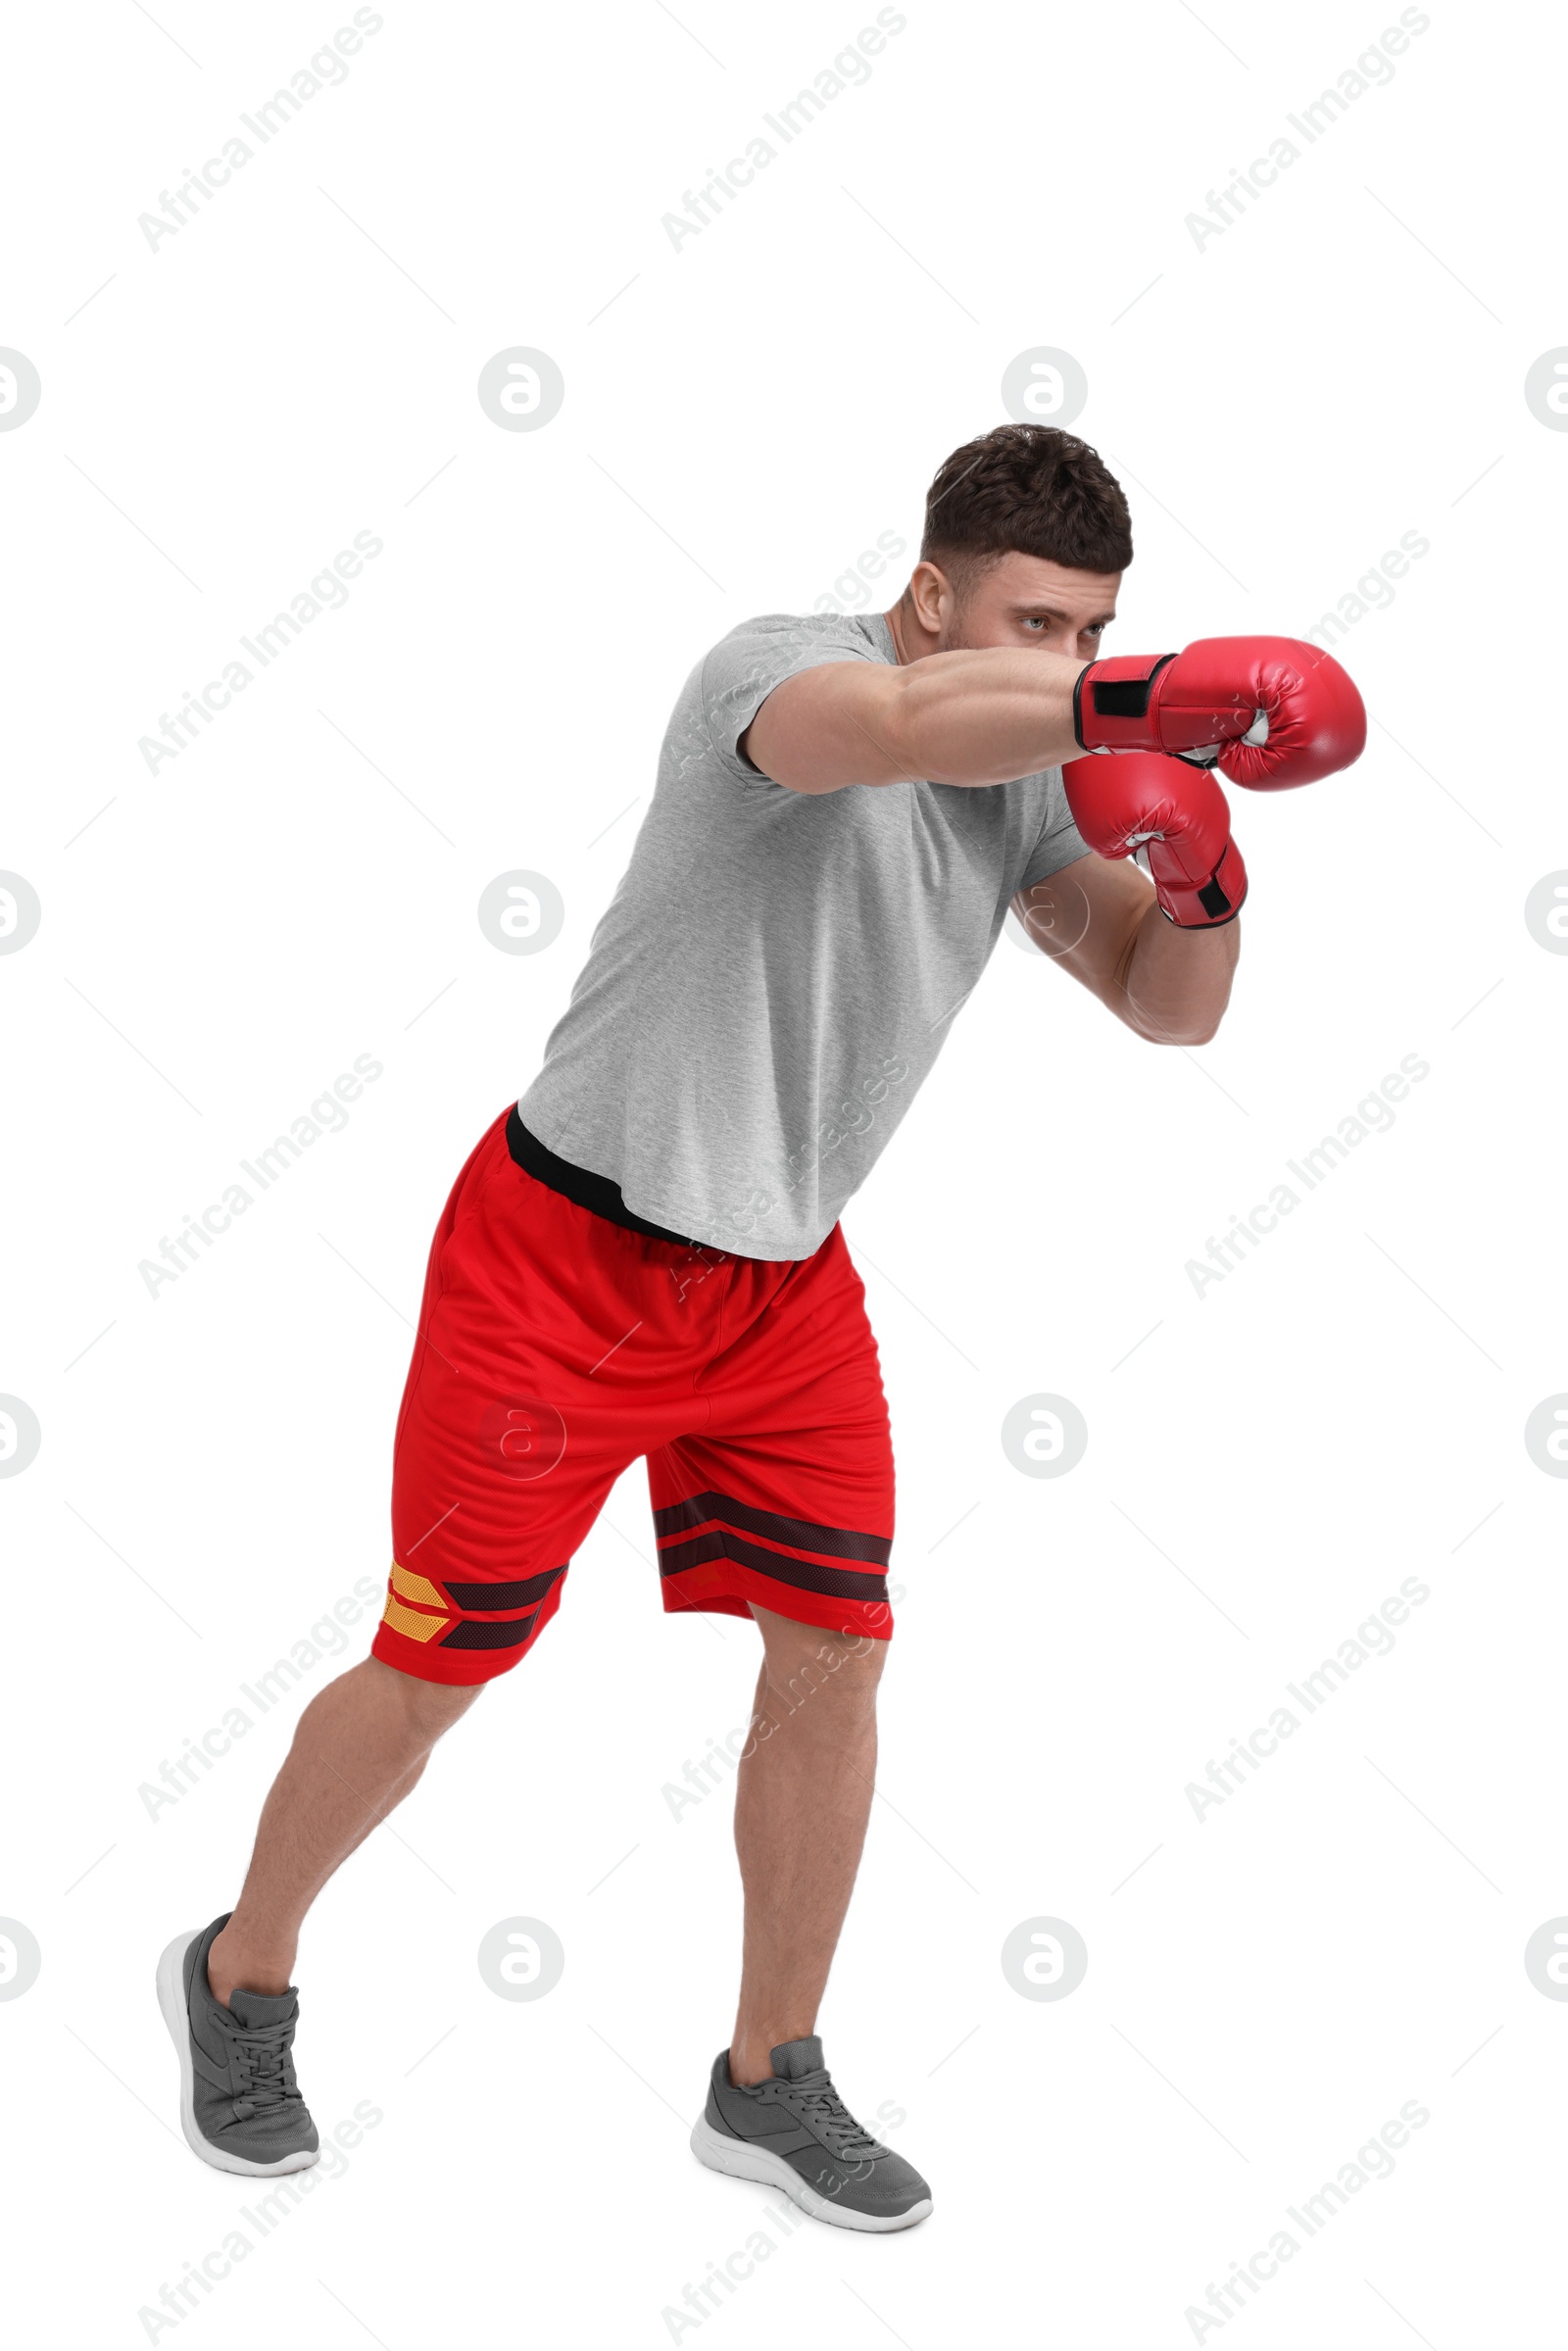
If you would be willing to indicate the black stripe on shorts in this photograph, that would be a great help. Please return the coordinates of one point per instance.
(806, 1575)
(839, 1542)
(493, 1600)
(492, 1633)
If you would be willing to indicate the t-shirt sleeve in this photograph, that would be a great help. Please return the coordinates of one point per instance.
(1060, 842)
(744, 668)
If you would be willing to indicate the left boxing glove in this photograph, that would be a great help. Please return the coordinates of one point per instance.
(1270, 711)
(1172, 817)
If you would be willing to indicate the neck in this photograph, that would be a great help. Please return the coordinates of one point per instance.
(910, 639)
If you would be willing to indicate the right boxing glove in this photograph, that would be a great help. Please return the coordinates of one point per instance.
(1270, 711)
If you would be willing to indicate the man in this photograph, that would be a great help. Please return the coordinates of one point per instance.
(643, 1256)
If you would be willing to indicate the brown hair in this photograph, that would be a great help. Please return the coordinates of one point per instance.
(1029, 488)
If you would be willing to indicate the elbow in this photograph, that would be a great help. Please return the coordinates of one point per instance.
(1184, 1029)
(1201, 1028)
(1201, 1032)
(1197, 1026)
(1184, 1036)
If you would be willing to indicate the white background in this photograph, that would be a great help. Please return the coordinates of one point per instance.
(1343, 364)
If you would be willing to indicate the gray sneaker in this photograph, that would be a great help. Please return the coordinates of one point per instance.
(239, 2103)
(796, 2133)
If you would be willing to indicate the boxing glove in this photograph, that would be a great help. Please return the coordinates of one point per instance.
(1270, 711)
(1172, 818)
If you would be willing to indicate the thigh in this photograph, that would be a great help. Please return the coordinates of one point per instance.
(785, 1499)
(523, 1404)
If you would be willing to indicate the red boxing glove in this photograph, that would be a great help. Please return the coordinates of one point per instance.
(1270, 711)
(1172, 817)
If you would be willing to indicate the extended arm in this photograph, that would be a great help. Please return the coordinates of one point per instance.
(973, 717)
(1273, 711)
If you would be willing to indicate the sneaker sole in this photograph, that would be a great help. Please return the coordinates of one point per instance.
(171, 2000)
(742, 2161)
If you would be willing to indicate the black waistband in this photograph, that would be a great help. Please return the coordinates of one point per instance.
(595, 1193)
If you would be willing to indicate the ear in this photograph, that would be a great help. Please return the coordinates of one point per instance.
(932, 594)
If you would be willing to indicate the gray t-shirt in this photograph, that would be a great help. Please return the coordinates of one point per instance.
(777, 970)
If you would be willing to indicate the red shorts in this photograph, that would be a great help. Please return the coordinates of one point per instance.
(554, 1348)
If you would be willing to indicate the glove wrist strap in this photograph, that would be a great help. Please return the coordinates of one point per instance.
(1114, 713)
(1205, 905)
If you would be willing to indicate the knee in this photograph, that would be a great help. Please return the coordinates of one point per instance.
(424, 1708)
(857, 1656)
(842, 1669)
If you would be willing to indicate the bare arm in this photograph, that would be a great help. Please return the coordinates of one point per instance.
(981, 717)
(1097, 919)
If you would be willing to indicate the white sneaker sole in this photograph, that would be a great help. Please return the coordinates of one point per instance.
(171, 2000)
(742, 2161)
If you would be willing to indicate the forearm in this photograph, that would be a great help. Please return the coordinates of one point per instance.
(983, 717)
(1171, 985)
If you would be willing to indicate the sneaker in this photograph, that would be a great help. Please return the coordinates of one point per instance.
(796, 2133)
(239, 2103)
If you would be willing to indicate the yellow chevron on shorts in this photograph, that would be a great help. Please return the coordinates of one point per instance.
(418, 1590)
(413, 1623)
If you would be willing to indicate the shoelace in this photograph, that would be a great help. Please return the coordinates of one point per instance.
(822, 2106)
(260, 2067)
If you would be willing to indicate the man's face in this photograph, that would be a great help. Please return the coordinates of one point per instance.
(1017, 599)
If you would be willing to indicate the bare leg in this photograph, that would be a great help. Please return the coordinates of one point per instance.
(801, 1800)
(359, 1748)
